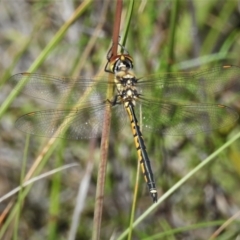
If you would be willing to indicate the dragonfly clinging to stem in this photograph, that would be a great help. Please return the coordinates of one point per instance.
(171, 103)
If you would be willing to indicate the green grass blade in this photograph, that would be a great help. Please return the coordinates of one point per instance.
(46, 51)
(181, 182)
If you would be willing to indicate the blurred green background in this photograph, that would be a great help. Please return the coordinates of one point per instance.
(205, 33)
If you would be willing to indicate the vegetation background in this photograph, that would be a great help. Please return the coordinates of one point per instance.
(206, 33)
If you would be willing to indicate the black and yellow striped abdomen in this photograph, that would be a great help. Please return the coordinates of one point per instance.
(141, 151)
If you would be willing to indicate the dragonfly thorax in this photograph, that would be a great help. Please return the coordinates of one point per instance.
(126, 87)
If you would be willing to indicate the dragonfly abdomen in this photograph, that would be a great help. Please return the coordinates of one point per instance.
(141, 151)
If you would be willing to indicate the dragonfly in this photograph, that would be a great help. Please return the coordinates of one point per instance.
(167, 103)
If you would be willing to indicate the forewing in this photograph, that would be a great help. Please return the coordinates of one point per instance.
(63, 90)
(189, 86)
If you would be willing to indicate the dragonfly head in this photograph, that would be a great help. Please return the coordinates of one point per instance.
(122, 62)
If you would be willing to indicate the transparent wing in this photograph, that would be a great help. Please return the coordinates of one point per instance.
(194, 86)
(160, 112)
(61, 89)
(165, 118)
(174, 119)
(78, 123)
